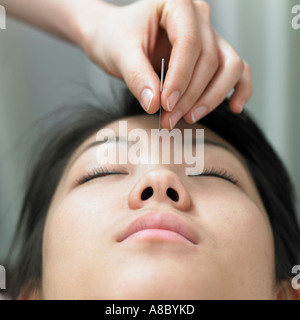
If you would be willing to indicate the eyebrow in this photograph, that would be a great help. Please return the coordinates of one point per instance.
(117, 139)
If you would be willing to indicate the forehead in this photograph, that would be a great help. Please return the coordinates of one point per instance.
(149, 122)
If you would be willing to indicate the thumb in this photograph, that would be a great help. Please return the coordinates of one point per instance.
(141, 78)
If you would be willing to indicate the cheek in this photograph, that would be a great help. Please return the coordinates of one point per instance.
(239, 235)
(77, 231)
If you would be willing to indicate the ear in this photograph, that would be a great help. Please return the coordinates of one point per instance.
(285, 291)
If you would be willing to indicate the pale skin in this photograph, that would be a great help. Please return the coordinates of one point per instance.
(129, 42)
(233, 257)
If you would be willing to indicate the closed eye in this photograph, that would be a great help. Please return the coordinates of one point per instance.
(219, 173)
(97, 173)
(103, 171)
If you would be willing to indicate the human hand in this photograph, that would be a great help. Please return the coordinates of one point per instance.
(129, 42)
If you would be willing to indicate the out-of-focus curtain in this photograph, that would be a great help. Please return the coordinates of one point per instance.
(39, 73)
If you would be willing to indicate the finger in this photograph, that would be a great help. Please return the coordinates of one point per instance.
(140, 77)
(242, 91)
(179, 20)
(229, 73)
(205, 70)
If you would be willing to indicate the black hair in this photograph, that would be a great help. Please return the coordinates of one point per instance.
(79, 123)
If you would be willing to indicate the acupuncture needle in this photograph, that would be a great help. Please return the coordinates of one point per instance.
(161, 87)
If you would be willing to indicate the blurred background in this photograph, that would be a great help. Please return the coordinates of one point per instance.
(39, 73)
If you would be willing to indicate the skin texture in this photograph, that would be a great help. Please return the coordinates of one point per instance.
(233, 257)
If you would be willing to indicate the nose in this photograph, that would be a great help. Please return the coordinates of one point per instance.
(162, 186)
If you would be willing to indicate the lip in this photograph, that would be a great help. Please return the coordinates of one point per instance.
(163, 225)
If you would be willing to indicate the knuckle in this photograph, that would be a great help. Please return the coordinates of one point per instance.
(238, 65)
(134, 77)
(192, 41)
(115, 56)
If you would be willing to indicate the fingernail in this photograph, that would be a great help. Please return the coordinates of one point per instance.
(199, 113)
(175, 118)
(172, 100)
(146, 98)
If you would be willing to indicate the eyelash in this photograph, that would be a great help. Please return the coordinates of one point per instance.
(219, 173)
(103, 171)
(97, 173)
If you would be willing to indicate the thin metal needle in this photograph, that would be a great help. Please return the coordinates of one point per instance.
(161, 87)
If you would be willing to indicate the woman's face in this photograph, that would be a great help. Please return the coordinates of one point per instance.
(219, 243)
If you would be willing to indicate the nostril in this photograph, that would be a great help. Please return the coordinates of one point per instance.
(173, 194)
(147, 193)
